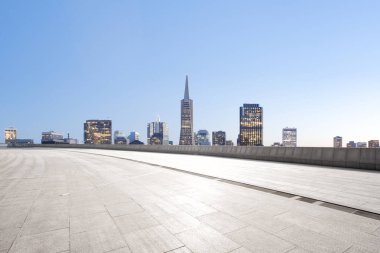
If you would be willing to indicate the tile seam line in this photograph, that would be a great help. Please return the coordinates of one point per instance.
(233, 182)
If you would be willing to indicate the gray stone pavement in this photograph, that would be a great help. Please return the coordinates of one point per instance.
(354, 188)
(60, 201)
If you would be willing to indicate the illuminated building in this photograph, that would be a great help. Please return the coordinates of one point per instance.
(351, 144)
(251, 125)
(10, 134)
(52, 137)
(361, 144)
(186, 134)
(119, 137)
(98, 132)
(219, 138)
(133, 136)
(373, 143)
(338, 142)
(203, 138)
(157, 133)
(289, 137)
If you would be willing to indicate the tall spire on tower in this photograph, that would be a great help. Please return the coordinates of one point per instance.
(187, 89)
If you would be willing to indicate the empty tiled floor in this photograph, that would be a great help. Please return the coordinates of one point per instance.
(60, 201)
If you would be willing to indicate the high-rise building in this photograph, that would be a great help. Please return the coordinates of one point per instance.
(373, 143)
(10, 134)
(289, 137)
(203, 138)
(119, 137)
(351, 144)
(98, 132)
(186, 134)
(133, 136)
(361, 144)
(338, 142)
(157, 133)
(52, 137)
(251, 125)
(219, 138)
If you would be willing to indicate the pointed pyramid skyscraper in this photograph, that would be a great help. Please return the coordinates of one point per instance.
(186, 136)
(187, 89)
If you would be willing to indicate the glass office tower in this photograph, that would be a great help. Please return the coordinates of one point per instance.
(289, 137)
(186, 135)
(338, 142)
(203, 138)
(251, 125)
(219, 138)
(157, 133)
(98, 132)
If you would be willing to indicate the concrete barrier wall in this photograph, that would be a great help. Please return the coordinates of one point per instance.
(358, 158)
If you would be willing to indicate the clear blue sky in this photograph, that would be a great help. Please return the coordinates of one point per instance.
(314, 65)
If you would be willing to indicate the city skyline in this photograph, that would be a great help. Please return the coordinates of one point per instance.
(69, 61)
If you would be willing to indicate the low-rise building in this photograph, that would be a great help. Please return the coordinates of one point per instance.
(373, 143)
(52, 137)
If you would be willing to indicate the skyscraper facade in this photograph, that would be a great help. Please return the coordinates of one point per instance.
(133, 136)
(203, 138)
(119, 137)
(289, 137)
(338, 142)
(157, 133)
(219, 138)
(251, 125)
(10, 134)
(186, 133)
(98, 132)
(373, 143)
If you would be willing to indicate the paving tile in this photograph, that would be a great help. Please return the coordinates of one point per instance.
(257, 240)
(264, 221)
(180, 250)
(44, 221)
(132, 222)
(124, 208)
(300, 250)
(241, 250)
(312, 241)
(121, 250)
(352, 236)
(196, 208)
(160, 208)
(12, 217)
(86, 209)
(7, 237)
(357, 249)
(206, 239)
(50, 242)
(151, 240)
(376, 232)
(178, 222)
(221, 222)
(99, 240)
(90, 222)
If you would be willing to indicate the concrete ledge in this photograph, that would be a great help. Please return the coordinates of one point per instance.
(357, 158)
